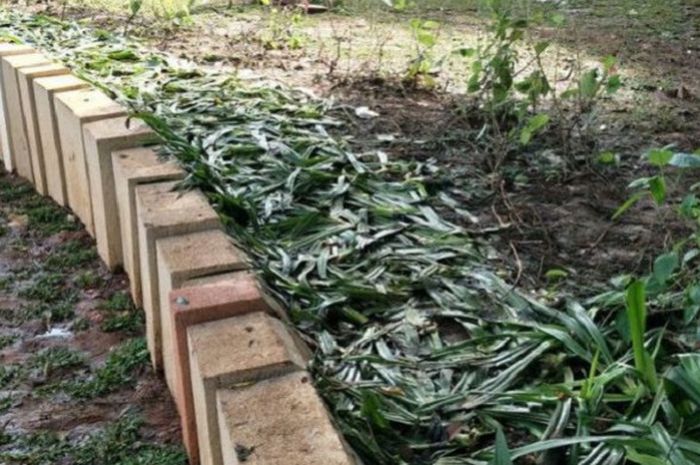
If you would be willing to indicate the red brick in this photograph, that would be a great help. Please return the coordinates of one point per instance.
(225, 296)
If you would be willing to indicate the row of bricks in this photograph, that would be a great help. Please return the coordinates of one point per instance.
(234, 367)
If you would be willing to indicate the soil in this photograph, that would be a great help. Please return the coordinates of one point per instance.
(56, 303)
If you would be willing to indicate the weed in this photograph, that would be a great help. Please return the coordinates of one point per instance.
(48, 219)
(519, 108)
(130, 322)
(5, 404)
(423, 64)
(87, 280)
(46, 287)
(120, 443)
(35, 449)
(7, 340)
(80, 324)
(53, 359)
(51, 312)
(70, 255)
(119, 301)
(283, 30)
(122, 315)
(13, 193)
(10, 374)
(117, 372)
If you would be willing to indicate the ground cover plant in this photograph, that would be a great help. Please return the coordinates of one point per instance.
(424, 353)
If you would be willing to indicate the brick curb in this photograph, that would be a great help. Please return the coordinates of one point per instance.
(236, 369)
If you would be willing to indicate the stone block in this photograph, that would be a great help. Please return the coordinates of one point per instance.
(101, 139)
(162, 212)
(18, 141)
(230, 352)
(132, 168)
(26, 77)
(280, 421)
(73, 110)
(201, 300)
(7, 49)
(184, 257)
(44, 91)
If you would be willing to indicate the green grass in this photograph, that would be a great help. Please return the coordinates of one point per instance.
(121, 315)
(10, 374)
(53, 359)
(44, 218)
(70, 255)
(87, 280)
(120, 370)
(7, 340)
(119, 443)
(51, 312)
(47, 288)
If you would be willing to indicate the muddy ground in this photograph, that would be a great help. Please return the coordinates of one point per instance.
(75, 383)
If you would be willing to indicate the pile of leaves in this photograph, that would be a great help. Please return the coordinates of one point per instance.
(424, 355)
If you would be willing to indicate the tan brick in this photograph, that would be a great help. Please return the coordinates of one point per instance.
(132, 168)
(279, 421)
(201, 300)
(186, 257)
(73, 110)
(162, 212)
(26, 77)
(101, 139)
(44, 91)
(233, 351)
(8, 50)
(19, 144)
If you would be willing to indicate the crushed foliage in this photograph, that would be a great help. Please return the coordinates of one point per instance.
(424, 354)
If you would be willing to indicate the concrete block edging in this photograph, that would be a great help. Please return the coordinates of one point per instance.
(235, 366)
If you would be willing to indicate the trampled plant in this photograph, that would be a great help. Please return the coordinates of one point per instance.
(424, 355)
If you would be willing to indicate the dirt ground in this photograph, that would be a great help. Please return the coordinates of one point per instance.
(75, 383)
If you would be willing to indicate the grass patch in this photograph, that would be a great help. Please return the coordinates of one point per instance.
(46, 287)
(14, 193)
(48, 219)
(10, 375)
(43, 217)
(70, 255)
(54, 312)
(7, 340)
(119, 443)
(122, 315)
(120, 370)
(54, 359)
(88, 280)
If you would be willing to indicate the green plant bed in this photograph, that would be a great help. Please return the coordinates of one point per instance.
(424, 355)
